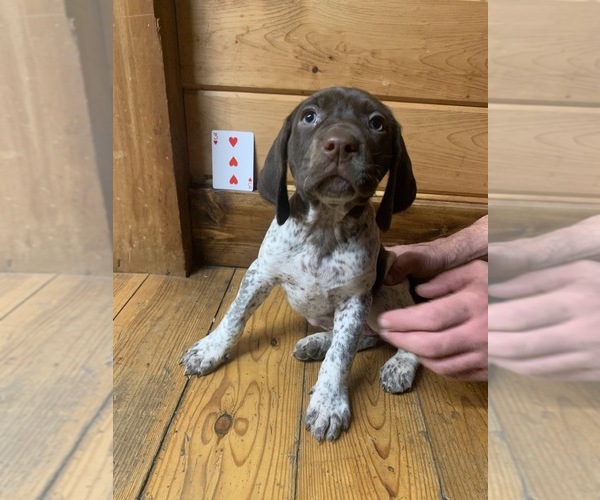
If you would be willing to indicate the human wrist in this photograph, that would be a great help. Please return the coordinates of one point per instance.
(465, 245)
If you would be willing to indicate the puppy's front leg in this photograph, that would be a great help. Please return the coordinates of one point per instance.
(211, 351)
(328, 412)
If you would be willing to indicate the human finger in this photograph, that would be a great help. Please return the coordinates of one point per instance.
(551, 366)
(404, 264)
(531, 344)
(544, 280)
(435, 345)
(432, 316)
(469, 366)
(529, 313)
(453, 280)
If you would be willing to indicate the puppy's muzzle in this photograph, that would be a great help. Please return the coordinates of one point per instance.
(335, 186)
(340, 146)
(336, 160)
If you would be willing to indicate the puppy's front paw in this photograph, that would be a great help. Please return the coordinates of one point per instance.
(203, 357)
(313, 347)
(327, 416)
(398, 373)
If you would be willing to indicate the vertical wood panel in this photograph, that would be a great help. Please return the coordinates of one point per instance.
(53, 215)
(94, 45)
(151, 231)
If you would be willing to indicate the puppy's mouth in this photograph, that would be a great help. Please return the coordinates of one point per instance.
(335, 187)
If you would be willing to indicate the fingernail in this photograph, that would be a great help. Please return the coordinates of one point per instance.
(384, 323)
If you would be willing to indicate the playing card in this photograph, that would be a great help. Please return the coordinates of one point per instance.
(233, 160)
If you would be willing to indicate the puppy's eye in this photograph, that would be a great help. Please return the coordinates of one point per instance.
(377, 123)
(309, 117)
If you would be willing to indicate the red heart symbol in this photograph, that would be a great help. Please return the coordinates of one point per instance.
(233, 180)
(233, 141)
(215, 141)
(233, 162)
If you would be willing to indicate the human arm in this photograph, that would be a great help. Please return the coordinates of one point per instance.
(511, 258)
(425, 260)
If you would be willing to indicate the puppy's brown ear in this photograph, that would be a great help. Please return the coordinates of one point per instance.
(401, 188)
(272, 180)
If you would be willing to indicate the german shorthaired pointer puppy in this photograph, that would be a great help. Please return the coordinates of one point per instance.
(323, 247)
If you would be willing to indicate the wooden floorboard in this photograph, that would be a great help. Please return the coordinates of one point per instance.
(457, 425)
(17, 288)
(87, 474)
(150, 334)
(124, 286)
(553, 430)
(384, 454)
(235, 433)
(238, 432)
(55, 375)
(544, 435)
(504, 480)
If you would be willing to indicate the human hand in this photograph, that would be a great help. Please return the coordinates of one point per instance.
(449, 333)
(509, 259)
(567, 244)
(550, 324)
(425, 260)
(422, 260)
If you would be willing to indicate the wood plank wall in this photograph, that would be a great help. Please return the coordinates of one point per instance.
(544, 100)
(52, 205)
(245, 65)
(544, 127)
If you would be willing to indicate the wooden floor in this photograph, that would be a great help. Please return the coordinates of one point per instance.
(238, 432)
(55, 387)
(544, 436)
(544, 440)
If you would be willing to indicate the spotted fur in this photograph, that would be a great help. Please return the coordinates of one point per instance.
(323, 247)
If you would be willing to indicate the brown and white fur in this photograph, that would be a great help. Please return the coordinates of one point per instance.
(323, 247)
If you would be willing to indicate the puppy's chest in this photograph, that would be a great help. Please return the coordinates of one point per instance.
(315, 283)
(316, 286)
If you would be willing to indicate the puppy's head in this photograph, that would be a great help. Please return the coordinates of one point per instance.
(339, 143)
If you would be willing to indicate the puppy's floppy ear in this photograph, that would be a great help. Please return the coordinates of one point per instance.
(401, 188)
(272, 180)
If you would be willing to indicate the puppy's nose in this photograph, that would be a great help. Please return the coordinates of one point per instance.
(340, 146)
